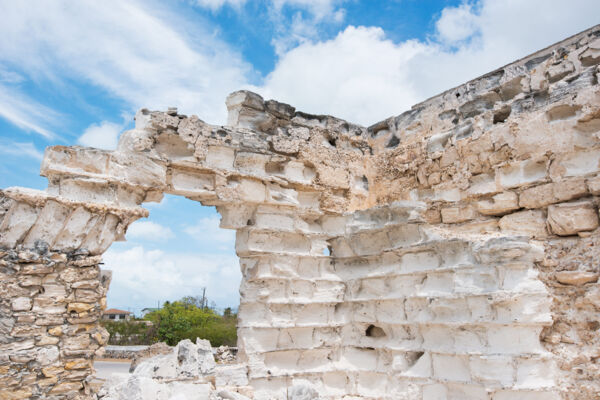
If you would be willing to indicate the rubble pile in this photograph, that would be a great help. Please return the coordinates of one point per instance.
(187, 372)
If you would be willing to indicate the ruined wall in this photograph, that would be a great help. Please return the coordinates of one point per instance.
(447, 253)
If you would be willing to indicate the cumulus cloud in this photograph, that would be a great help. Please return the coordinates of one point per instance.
(101, 136)
(143, 277)
(148, 230)
(206, 230)
(363, 76)
(456, 23)
(359, 75)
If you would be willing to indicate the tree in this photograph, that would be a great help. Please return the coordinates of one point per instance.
(187, 319)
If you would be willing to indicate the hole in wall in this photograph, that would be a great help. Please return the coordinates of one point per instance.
(374, 331)
(361, 183)
(413, 356)
(394, 141)
(562, 111)
(176, 258)
(275, 167)
(501, 115)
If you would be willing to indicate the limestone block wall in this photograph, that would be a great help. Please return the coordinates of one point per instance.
(447, 253)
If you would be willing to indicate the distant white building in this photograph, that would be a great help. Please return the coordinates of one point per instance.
(114, 314)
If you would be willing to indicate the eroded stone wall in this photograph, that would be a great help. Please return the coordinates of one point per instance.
(447, 253)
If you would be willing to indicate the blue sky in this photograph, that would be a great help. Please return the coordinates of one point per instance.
(76, 72)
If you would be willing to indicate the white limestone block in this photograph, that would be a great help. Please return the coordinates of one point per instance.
(451, 368)
(220, 157)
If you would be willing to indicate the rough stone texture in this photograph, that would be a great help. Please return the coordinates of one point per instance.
(186, 372)
(450, 252)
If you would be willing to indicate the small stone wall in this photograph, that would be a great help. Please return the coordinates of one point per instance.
(50, 305)
(446, 253)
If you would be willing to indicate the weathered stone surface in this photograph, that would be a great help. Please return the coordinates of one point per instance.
(531, 223)
(569, 218)
(385, 262)
(576, 278)
(500, 204)
(452, 215)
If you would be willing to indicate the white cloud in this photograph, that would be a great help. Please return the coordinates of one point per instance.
(216, 4)
(142, 277)
(362, 76)
(207, 231)
(148, 230)
(359, 75)
(456, 23)
(308, 17)
(26, 113)
(20, 149)
(101, 136)
(137, 51)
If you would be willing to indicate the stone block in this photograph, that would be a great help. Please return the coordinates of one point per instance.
(524, 173)
(21, 304)
(535, 373)
(49, 223)
(75, 229)
(188, 183)
(570, 218)
(531, 223)
(220, 157)
(500, 204)
(515, 340)
(451, 368)
(594, 185)
(576, 278)
(576, 164)
(17, 222)
(454, 215)
(496, 369)
(334, 177)
(543, 195)
(525, 395)
(252, 163)
(537, 197)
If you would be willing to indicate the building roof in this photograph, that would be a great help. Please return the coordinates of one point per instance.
(115, 311)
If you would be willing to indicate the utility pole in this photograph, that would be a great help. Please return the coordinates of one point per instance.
(203, 298)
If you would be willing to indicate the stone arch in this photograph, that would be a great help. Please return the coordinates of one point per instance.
(450, 230)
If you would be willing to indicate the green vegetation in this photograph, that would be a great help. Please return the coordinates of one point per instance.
(187, 318)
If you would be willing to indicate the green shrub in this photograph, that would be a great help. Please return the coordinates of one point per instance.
(186, 320)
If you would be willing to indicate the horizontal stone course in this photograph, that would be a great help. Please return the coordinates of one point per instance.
(445, 253)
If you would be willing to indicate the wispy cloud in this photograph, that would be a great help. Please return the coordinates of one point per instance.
(20, 149)
(140, 52)
(26, 113)
(217, 4)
